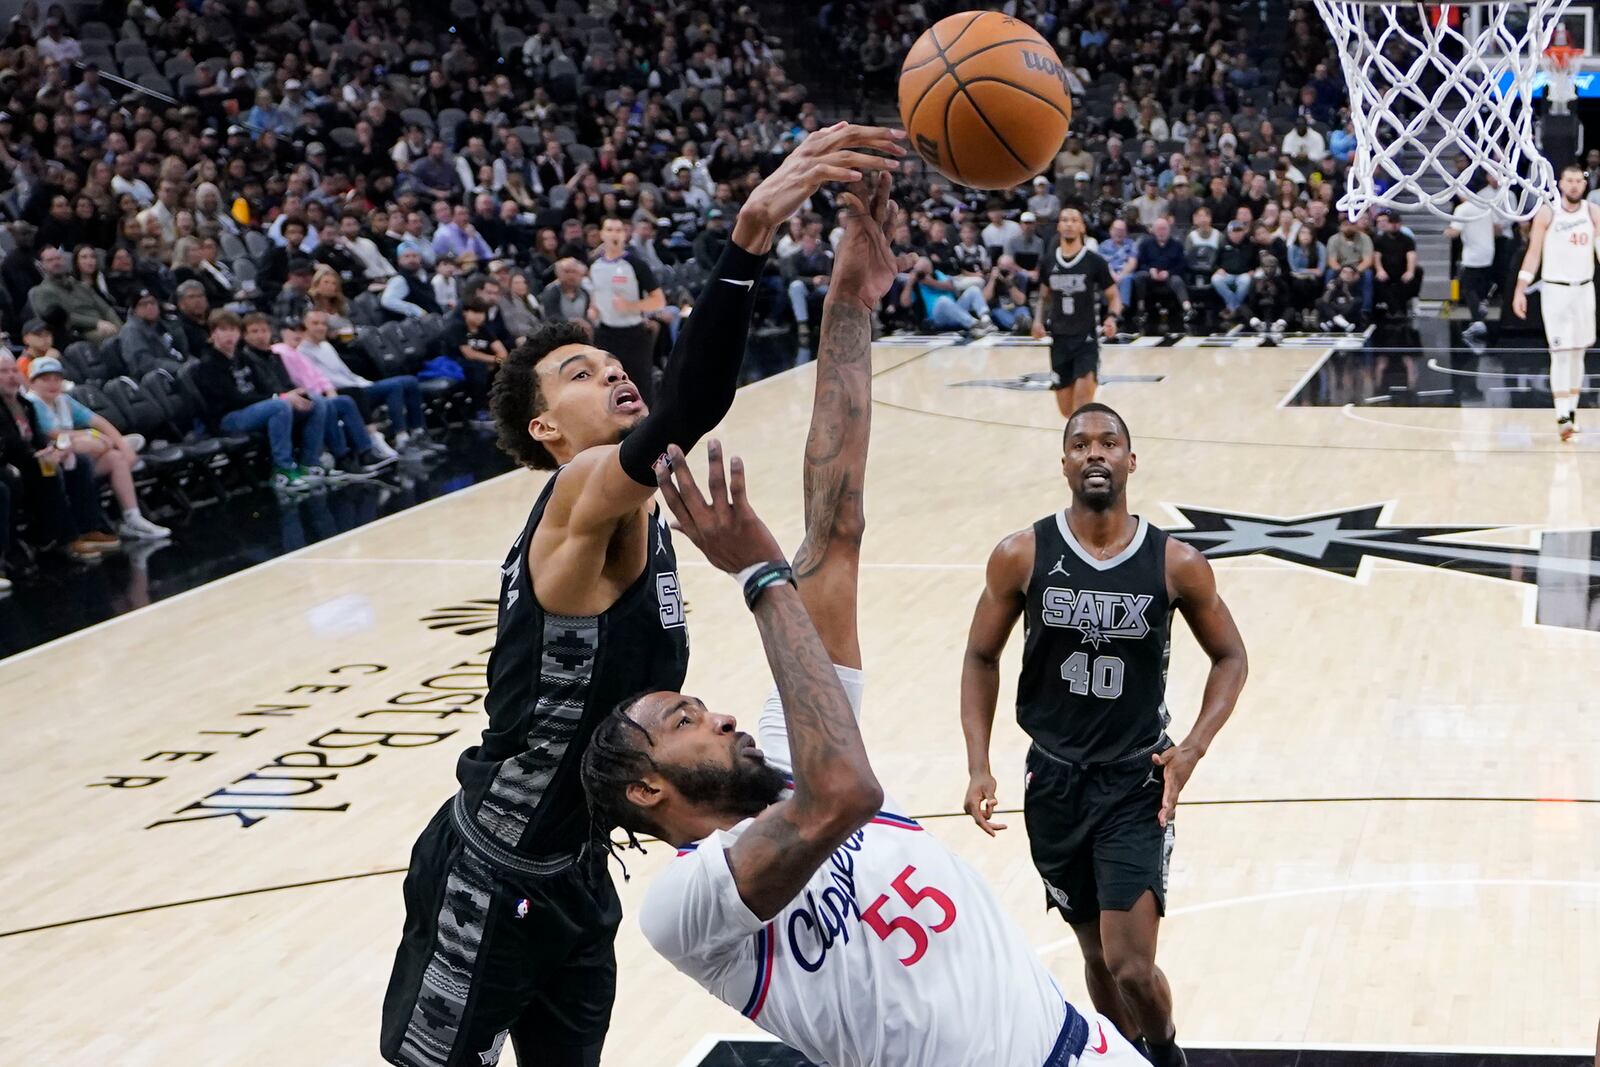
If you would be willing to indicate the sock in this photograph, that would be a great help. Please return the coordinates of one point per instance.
(1167, 1053)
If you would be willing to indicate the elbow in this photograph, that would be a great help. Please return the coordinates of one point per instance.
(857, 805)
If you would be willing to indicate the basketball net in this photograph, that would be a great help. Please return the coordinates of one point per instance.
(1426, 88)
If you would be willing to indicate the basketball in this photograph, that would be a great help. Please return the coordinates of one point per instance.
(984, 100)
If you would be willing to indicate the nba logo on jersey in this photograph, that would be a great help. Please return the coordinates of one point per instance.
(522, 908)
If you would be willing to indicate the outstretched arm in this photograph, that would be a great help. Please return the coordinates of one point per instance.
(1193, 586)
(828, 565)
(835, 790)
(999, 607)
(603, 485)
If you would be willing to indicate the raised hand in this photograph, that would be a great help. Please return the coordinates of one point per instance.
(865, 266)
(725, 528)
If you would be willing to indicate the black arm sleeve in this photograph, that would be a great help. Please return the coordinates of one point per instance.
(703, 371)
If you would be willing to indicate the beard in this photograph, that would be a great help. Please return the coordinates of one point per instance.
(745, 789)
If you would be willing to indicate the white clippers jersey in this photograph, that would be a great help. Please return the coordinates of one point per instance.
(1569, 248)
(896, 954)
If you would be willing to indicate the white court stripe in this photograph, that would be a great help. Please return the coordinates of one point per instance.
(1349, 412)
(1461, 372)
(1358, 887)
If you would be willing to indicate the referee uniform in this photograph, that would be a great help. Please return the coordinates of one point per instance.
(624, 333)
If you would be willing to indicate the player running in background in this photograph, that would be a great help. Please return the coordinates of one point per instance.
(1097, 587)
(1072, 282)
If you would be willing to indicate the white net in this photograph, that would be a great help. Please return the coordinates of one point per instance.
(1431, 86)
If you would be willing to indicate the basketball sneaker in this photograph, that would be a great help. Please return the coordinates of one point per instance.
(1567, 426)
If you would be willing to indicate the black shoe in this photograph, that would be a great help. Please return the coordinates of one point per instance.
(351, 468)
(371, 462)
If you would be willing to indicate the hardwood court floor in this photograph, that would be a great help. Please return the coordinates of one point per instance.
(1393, 844)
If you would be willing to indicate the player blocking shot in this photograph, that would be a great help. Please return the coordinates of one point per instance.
(510, 913)
(800, 895)
(1096, 587)
(1072, 281)
(1562, 252)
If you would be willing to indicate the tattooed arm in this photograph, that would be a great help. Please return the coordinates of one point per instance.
(835, 791)
(829, 560)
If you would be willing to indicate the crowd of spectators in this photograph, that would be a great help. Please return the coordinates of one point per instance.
(255, 197)
(1205, 157)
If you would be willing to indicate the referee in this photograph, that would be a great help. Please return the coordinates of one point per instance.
(624, 289)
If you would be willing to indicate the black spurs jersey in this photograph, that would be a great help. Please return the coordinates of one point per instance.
(1073, 289)
(1094, 660)
(551, 679)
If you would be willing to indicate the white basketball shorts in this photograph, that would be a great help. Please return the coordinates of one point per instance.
(1568, 315)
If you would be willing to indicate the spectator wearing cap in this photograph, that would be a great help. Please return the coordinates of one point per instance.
(1026, 246)
(1236, 261)
(1396, 275)
(625, 290)
(400, 393)
(409, 293)
(77, 310)
(806, 272)
(1079, 194)
(148, 342)
(91, 439)
(1302, 143)
(710, 241)
(566, 299)
(37, 343)
(1044, 203)
(240, 398)
(57, 495)
(294, 299)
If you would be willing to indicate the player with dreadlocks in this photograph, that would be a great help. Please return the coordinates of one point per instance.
(811, 903)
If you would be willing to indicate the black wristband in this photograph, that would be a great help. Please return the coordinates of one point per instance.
(766, 576)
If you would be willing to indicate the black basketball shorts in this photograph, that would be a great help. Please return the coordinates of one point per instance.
(486, 956)
(1094, 835)
(1073, 357)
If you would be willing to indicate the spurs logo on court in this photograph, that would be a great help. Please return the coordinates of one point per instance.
(468, 618)
(1563, 564)
(1098, 616)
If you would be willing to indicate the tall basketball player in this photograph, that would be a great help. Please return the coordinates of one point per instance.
(800, 896)
(1562, 241)
(510, 913)
(1096, 587)
(1070, 281)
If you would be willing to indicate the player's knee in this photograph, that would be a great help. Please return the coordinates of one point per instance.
(1134, 974)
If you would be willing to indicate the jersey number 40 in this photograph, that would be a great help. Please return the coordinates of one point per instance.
(1103, 677)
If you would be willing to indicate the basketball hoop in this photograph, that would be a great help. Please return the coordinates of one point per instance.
(1424, 90)
(1559, 63)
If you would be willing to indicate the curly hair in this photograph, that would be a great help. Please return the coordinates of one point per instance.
(515, 399)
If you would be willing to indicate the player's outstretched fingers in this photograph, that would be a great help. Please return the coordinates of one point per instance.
(716, 480)
(736, 483)
(681, 493)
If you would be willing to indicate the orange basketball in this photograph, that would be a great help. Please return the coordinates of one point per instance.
(984, 100)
